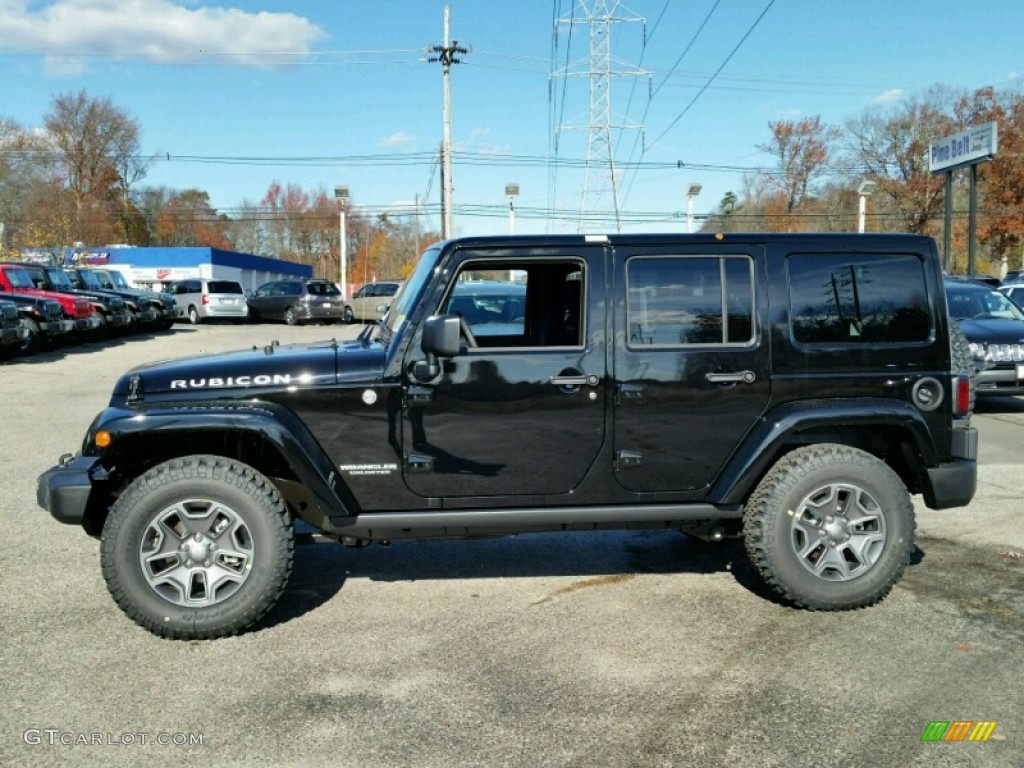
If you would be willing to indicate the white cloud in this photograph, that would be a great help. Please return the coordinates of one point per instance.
(887, 97)
(398, 139)
(70, 33)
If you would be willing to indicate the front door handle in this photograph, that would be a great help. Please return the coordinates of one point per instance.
(732, 377)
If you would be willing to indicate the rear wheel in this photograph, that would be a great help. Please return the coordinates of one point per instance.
(349, 317)
(198, 547)
(830, 527)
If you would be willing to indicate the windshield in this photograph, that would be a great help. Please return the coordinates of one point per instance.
(409, 293)
(59, 279)
(18, 278)
(89, 279)
(118, 279)
(104, 280)
(982, 305)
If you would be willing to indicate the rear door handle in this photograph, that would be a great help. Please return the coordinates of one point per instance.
(575, 380)
(732, 377)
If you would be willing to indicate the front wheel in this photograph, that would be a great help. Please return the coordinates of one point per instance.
(193, 316)
(830, 527)
(291, 316)
(197, 548)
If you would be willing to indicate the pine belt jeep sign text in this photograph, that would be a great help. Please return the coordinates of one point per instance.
(972, 145)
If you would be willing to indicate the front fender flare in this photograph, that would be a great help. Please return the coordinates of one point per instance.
(271, 422)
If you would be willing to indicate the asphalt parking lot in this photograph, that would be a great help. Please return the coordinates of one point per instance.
(608, 649)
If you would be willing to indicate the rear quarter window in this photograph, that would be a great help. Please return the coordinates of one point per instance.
(858, 298)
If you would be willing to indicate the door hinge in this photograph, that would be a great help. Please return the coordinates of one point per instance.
(419, 463)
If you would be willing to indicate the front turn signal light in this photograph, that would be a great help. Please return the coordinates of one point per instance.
(102, 439)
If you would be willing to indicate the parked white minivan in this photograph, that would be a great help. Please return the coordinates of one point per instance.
(202, 299)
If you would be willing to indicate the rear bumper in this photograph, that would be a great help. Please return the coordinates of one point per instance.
(952, 484)
(63, 490)
(319, 312)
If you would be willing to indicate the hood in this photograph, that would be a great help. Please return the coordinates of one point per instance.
(270, 368)
(993, 331)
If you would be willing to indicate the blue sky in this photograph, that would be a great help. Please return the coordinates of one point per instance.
(299, 89)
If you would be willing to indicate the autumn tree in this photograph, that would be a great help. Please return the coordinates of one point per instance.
(890, 145)
(802, 151)
(98, 145)
(188, 219)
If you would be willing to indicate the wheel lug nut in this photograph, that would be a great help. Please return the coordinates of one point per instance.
(183, 547)
(188, 563)
(207, 563)
(198, 536)
(828, 519)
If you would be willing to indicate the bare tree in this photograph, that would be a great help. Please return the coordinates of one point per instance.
(99, 148)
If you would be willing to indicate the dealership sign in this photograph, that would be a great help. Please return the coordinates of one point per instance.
(971, 146)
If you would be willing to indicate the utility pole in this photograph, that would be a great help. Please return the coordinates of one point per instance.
(446, 54)
(416, 222)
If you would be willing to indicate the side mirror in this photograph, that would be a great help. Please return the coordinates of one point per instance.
(440, 339)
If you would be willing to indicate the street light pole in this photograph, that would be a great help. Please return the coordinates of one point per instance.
(691, 192)
(511, 190)
(864, 190)
(341, 193)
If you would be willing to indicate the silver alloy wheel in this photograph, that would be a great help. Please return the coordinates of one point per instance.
(838, 532)
(196, 553)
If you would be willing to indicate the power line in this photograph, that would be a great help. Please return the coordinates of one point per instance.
(717, 71)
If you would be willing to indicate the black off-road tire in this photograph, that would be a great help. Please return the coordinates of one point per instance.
(247, 515)
(783, 540)
(34, 341)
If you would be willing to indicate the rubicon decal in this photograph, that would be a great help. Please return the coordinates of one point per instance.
(260, 380)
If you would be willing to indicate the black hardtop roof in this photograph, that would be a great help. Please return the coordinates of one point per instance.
(871, 240)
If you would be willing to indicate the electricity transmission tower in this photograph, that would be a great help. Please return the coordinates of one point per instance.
(599, 194)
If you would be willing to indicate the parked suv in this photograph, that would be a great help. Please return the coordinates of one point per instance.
(12, 333)
(793, 390)
(108, 308)
(366, 305)
(994, 327)
(201, 299)
(297, 301)
(76, 309)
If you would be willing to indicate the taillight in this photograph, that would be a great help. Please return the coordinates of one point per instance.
(962, 395)
(205, 299)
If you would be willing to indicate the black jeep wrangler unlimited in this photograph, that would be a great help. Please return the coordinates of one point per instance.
(792, 389)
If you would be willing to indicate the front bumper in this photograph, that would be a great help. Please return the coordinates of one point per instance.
(118, 319)
(14, 335)
(148, 315)
(1000, 379)
(90, 323)
(57, 327)
(63, 490)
